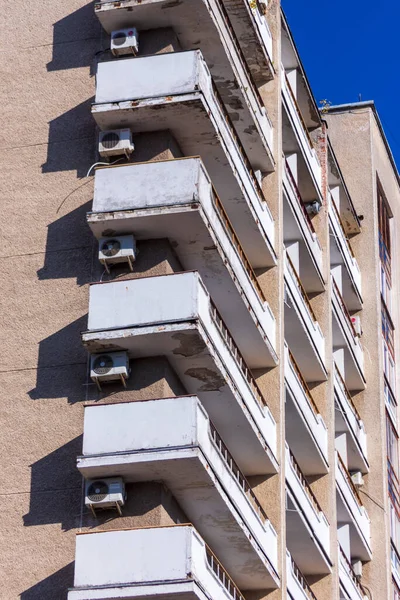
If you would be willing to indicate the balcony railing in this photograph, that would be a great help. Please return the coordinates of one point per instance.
(298, 197)
(299, 113)
(237, 473)
(348, 567)
(349, 480)
(346, 392)
(304, 483)
(301, 289)
(343, 307)
(302, 581)
(226, 336)
(304, 384)
(339, 218)
(223, 576)
(235, 241)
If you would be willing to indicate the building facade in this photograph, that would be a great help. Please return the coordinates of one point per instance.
(199, 388)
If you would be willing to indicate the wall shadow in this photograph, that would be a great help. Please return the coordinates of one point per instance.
(56, 485)
(72, 141)
(70, 248)
(76, 38)
(62, 365)
(54, 587)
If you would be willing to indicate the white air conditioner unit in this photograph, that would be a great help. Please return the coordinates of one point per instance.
(109, 366)
(121, 249)
(357, 479)
(105, 493)
(116, 142)
(125, 41)
(357, 325)
(357, 568)
(313, 208)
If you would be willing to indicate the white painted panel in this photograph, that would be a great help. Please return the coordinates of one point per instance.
(140, 186)
(144, 77)
(139, 555)
(137, 302)
(140, 425)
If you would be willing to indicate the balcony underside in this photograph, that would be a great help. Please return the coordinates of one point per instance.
(356, 459)
(196, 362)
(193, 23)
(189, 476)
(351, 295)
(184, 590)
(360, 548)
(187, 117)
(301, 542)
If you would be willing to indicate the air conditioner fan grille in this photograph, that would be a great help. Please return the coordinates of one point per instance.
(110, 247)
(103, 364)
(119, 38)
(98, 491)
(110, 140)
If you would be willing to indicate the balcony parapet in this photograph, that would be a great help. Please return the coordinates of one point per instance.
(353, 421)
(345, 248)
(348, 579)
(132, 563)
(351, 341)
(173, 315)
(353, 506)
(303, 332)
(302, 217)
(297, 584)
(181, 96)
(302, 133)
(308, 503)
(173, 440)
(313, 441)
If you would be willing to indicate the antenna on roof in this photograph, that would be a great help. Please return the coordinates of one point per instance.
(359, 97)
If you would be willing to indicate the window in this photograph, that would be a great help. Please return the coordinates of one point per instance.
(387, 329)
(384, 216)
(386, 288)
(389, 366)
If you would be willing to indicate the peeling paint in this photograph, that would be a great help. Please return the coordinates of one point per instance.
(213, 381)
(190, 344)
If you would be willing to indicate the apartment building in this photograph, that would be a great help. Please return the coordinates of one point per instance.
(199, 387)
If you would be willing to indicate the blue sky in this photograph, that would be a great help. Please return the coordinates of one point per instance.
(349, 48)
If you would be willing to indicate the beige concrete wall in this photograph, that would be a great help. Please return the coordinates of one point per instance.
(360, 155)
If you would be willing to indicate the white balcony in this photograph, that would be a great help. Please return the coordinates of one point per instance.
(296, 584)
(180, 96)
(302, 331)
(350, 588)
(298, 227)
(347, 342)
(301, 133)
(348, 421)
(351, 510)
(227, 31)
(342, 254)
(305, 429)
(175, 200)
(172, 440)
(307, 529)
(134, 563)
(173, 316)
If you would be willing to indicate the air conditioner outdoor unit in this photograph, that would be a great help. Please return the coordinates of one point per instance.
(357, 568)
(357, 325)
(109, 366)
(357, 479)
(105, 493)
(113, 250)
(116, 142)
(125, 41)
